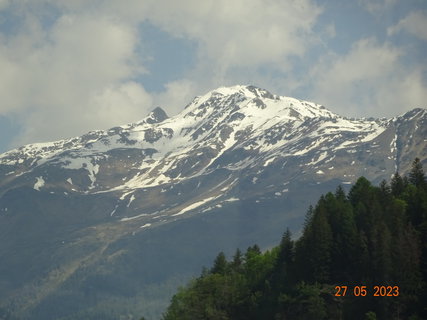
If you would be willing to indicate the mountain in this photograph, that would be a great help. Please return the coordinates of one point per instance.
(112, 221)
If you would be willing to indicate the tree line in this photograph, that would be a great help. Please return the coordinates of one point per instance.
(361, 255)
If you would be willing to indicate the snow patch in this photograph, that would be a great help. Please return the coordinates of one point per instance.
(268, 161)
(130, 200)
(232, 200)
(114, 211)
(93, 170)
(134, 217)
(39, 183)
(124, 195)
(194, 206)
(322, 156)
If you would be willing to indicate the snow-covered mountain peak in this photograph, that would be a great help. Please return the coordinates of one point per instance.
(218, 114)
(233, 128)
(250, 101)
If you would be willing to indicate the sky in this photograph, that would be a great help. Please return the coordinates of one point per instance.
(71, 66)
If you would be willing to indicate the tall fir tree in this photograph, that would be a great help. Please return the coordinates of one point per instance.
(220, 264)
(320, 245)
(416, 175)
(397, 185)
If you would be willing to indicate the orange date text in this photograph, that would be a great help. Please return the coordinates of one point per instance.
(363, 291)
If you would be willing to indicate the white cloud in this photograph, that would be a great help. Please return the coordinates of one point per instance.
(370, 80)
(407, 90)
(414, 23)
(231, 36)
(4, 4)
(177, 95)
(71, 78)
(239, 34)
(330, 31)
(377, 6)
(119, 102)
(112, 106)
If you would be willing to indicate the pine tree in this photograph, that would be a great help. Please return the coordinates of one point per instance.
(381, 253)
(397, 185)
(284, 261)
(385, 194)
(286, 249)
(416, 198)
(340, 194)
(319, 249)
(344, 233)
(360, 192)
(220, 264)
(308, 218)
(416, 175)
(237, 260)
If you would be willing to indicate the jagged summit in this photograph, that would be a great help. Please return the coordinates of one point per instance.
(156, 116)
(417, 112)
(246, 90)
(250, 101)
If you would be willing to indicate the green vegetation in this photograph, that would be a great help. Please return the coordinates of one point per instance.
(373, 236)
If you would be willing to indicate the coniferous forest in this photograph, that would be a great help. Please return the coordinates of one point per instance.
(361, 255)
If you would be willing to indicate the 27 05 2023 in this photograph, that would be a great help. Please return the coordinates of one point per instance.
(363, 291)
